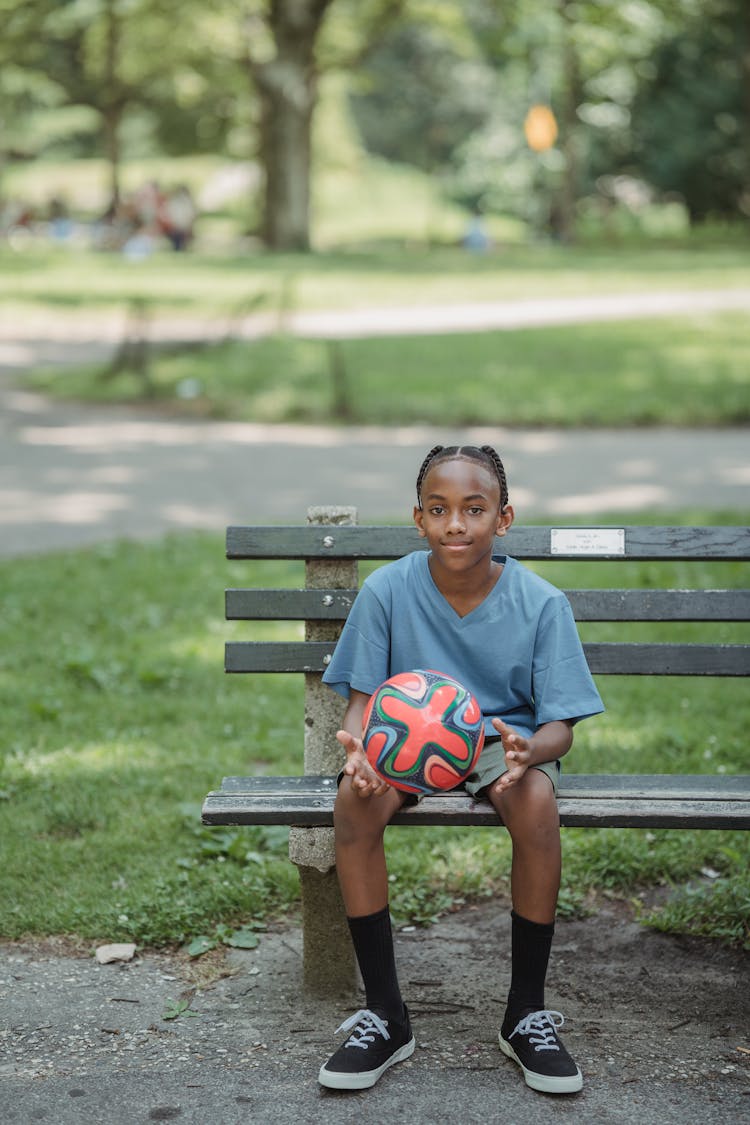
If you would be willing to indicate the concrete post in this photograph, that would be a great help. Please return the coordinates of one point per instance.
(329, 965)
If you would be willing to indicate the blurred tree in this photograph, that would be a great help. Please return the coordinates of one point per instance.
(23, 90)
(452, 95)
(286, 45)
(691, 114)
(420, 95)
(645, 89)
(169, 60)
(106, 55)
(656, 89)
(281, 41)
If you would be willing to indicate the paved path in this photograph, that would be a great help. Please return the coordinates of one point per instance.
(73, 475)
(39, 339)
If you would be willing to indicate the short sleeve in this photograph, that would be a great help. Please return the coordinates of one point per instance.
(562, 685)
(361, 658)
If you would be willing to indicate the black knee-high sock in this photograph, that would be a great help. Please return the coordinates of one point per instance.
(530, 948)
(373, 944)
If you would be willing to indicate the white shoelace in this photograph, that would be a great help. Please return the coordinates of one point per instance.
(366, 1026)
(541, 1028)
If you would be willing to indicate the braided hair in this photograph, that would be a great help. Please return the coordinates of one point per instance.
(485, 454)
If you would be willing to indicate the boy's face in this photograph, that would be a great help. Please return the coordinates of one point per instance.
(460, 514)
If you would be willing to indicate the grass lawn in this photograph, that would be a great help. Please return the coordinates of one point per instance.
(116, 719)
(672, 371)
(79, 282)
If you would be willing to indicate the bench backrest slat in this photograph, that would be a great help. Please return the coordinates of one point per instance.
(337, 545)
(611, 658)
(588, 605)
(522, 542)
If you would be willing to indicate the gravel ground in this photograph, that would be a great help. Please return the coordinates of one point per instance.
(659, 1026)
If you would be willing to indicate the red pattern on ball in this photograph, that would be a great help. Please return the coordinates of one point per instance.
(423, 731)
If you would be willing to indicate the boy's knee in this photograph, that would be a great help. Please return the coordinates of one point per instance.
(530, 808)
(343, 808)
(356, 818)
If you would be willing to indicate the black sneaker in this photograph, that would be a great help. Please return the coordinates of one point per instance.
(368, 1052)
(545, 1063)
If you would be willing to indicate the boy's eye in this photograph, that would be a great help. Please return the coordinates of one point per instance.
(437, 510)
(475, 511)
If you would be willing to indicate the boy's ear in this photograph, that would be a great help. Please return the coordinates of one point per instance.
(505, 520)
(418, 521)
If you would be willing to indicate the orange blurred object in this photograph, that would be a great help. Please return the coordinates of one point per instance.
(540, 128)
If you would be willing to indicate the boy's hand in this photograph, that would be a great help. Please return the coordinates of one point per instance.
(365, 782)
(517, 754)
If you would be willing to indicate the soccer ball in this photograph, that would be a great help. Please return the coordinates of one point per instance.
(423, 731)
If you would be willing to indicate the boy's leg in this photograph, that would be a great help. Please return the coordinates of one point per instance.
(529, 812)
(360, 824)
(528, 1033)
(363, 876)
(380, 1034)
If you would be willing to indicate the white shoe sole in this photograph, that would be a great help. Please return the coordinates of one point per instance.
(545, 1084)
(362, 1080)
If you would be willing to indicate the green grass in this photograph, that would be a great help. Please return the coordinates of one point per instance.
(681, 371)
(213, 282)
(676, 372)
(116, 719)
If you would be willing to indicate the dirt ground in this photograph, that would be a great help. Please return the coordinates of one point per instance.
(659, 1025)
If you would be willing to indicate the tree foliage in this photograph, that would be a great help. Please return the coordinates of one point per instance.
(420, 97)
(691, 114)
(108, 61)
(655, 90)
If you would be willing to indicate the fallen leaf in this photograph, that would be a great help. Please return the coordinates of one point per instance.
(242, 939)
(200, 945)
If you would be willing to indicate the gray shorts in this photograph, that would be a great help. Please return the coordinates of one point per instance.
(491, 766)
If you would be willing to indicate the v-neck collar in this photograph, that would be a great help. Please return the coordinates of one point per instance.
(441, 602)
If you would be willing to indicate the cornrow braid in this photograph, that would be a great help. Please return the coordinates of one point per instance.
(484, 453)
(424, 467)
(494, 456)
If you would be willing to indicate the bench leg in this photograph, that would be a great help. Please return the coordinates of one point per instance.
(329, 964)
(329, 967)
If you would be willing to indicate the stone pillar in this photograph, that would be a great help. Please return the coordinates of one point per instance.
(329, 965)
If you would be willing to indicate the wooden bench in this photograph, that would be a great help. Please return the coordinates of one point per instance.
(331, 545)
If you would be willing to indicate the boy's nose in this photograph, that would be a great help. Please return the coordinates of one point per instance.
(456, 523)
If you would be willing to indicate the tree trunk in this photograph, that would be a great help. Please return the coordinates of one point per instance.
(287, 86)
(112, 109)
(565, 212)
(111, 122)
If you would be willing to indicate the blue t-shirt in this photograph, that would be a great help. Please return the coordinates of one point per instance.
(518, 651)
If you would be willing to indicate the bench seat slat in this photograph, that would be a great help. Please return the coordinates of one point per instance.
(610, 658)
(651, 801)
(523, 542)
(588, 605)
(656, 786)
